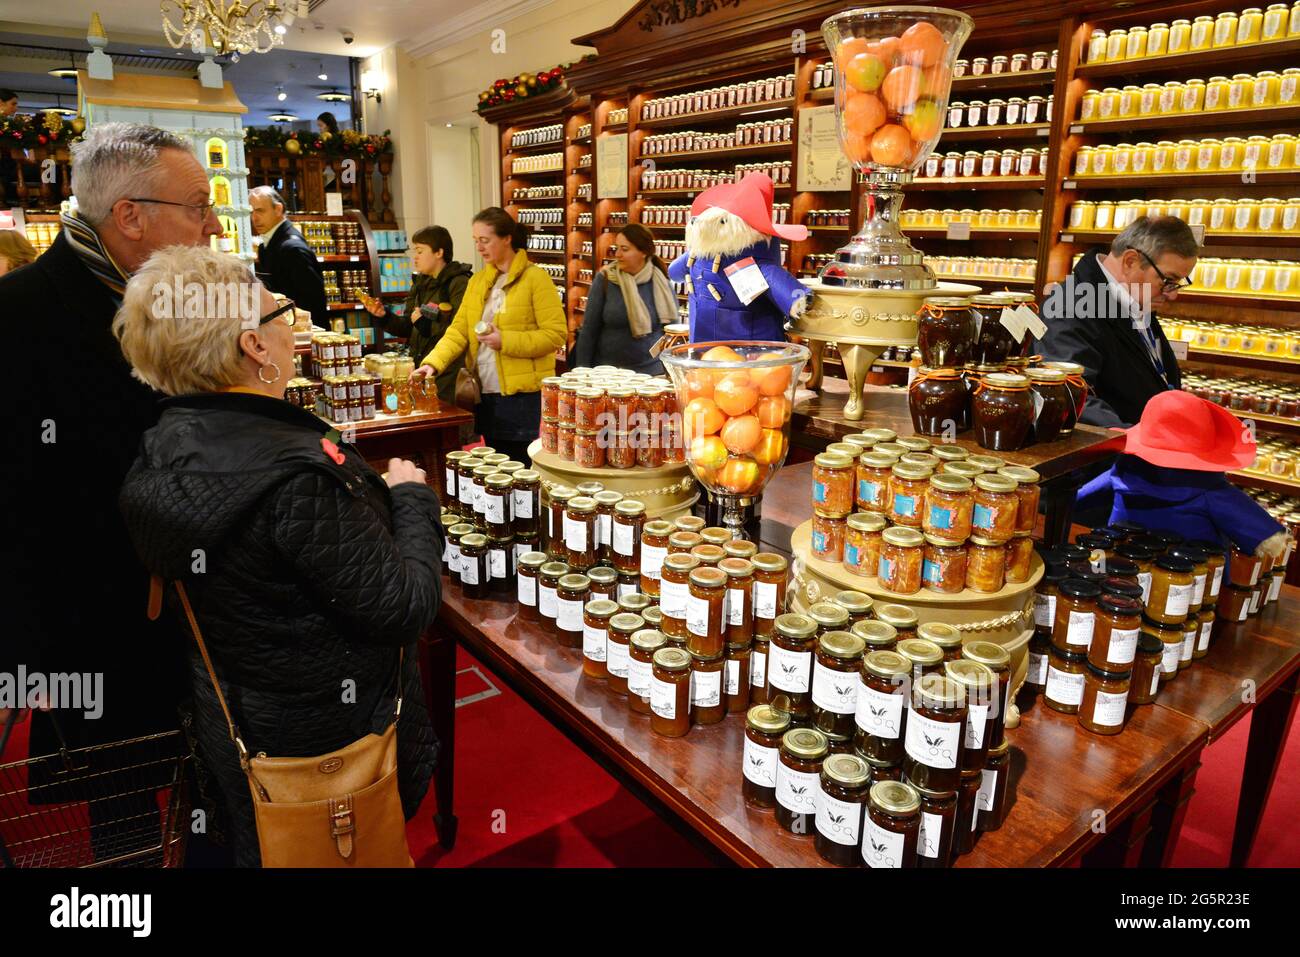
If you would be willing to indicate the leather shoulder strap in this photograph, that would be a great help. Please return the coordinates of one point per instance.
(216, 685)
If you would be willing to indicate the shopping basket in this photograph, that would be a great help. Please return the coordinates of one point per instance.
(121, 804)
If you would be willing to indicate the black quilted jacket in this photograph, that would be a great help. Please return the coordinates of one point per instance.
(306, 577)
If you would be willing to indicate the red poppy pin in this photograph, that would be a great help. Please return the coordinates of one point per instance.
(329, 442)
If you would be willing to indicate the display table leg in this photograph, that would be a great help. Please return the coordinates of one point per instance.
(1167, 817)
(1122, 847)
(438, 667)
(857, 361)
(818, 350)
(1058, 509)
(1269, 723)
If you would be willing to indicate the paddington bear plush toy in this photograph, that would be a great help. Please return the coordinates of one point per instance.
(732, 265)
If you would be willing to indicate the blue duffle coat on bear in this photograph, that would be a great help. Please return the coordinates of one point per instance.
(717, 313)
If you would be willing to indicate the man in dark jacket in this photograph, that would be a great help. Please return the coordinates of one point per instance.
(1102, 317)
(284, 260)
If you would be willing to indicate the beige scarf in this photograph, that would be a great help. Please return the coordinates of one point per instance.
(638, 318)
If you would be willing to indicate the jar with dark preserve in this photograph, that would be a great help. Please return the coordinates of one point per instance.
(944, 635)
(835, 682)
(884, 681)
(525, 544)
(986, 564)
(901, 617)
(841, 807)
(1077, 387)
(933, 738)
(832, 492)
(636, 645)
(892, 825)
(1020, 557)
(1200, 572)
(902, 556)
(938, 815)
(997, 507)
(474, 569)
(764, 728)
(1115, 632)
(937, 401)
(873, 473)
(1105, 700)
(451, 460)
(980, 686)
(1146, 670)
(708, 703)
(1002, 411)
(949, 508)
(1053, 401)
(994, 342)
(735, 679)
(530, 564)
(907, 488)
(557, 501)
(1076, 615)
(738, 604)
(789, 666)
(501, 565)
(670, 693)
(674, 592)
(1066, 672)
(945, 332)
(705, 612)
(571, 597)
(455, 535)
(828, 617)
(963, 831)
(496, 511)
(857, 604)
(1040, 648)
(943, 569)
(479, 480)
(798, 778)
(1172, 584)
(883, 770)
(991, 800)
(759, 650)
(654, 549)
(862, 539)
(465, 483)
(1028, 494)
(604, 582)
(595, 637)
(997, 660)
(877, 635)
(548, 585)
(771, 577)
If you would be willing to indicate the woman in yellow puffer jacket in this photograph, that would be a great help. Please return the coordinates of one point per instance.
(513, 322)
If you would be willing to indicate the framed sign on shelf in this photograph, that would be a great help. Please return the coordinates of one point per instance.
(611, 166)
(822, 165)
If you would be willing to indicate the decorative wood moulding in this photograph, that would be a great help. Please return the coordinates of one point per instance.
(533, 109)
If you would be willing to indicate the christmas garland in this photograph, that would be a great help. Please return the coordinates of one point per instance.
(31, 130)
(523, 86)
(346, 143)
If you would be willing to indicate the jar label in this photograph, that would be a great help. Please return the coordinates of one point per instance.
(1198, 590)
(757, 669)
(819, 542)
(663, 698)
(1044, 610)
(1173, 652)
(497, 564)
(1063, 687)
(930, 835)
(652, 560)
(706, 688)
(760, 764)
(1254, 573)
(940, 517)
(1155, 676)
(1144, 579)
(622, 537)
(791, 670)
(618, 663)
(494, 508)
(881, 848)
(936, 744)
(764, 600)
(984, 796)
(1037, 674)
(1123, 646)
(522, 503)
(469, 571)
(1287, 89)
(1080, 630)
(453, 565)
(449, 482)
(625, 590)
(479, 495)
(546, 601)
(886, 570)
(839, 821)
(603, 525)
(735, 606)
(1274, 589)
(797, 791)
(697, 615)
(878, 714)
(527, 591)
(834, 691)
(732, 672)
(1109, 709)
(976, 718)
(1179, 600)
(570, 615)
(466, 492)
(868, 492)
(1189, 644)
(819, 491)
(982, 517)
(930, 572)
(593, 642)
(575, 534)
(904, 505)
(672, 598)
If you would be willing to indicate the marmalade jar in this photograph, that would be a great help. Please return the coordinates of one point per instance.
(835, 682)
(862, 539)
(884, 681)
(1076, 615)
(571, 596)
(654, 549)
(1146, 670)
(980, 686)
(708, 704)
(670, 693)
(1028, 493)
(841, 807)
(625, 535)
(674, 593)
(1020, 556)
(529, 565)
(1172, 585)
(901, 558)
(986, 562)
(943, 569)
(996, 511)
(946, 332)
(632, 647)
(833, 476)
(789, 666)
(907, 487)
(771, 574)
(595, 637)
(938, 818)
(873, 473)
(827, 538)
(948, 509)
(1105, 699)
(798, 778)
(738, 606)
(707, 593)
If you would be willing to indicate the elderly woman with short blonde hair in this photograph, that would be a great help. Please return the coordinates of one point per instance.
(306, 570)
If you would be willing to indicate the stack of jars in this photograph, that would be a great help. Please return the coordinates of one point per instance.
(537, 136)
(611, 418)
(1016, 111)
(1243, 91)
(545, 163)
(1233, 154)
(768, 90)
(1249, 395)
(1272, 279)
(1011, 161)
(983, 267)
(1026, 219)
(1242, 340)
(1218, 216)
(1252, 25)
(828, 217)
(1276, 457)
(1014, 63)
(617, 117)
(491, 508)
(538, 192)
(930, 517)
(1286, 510)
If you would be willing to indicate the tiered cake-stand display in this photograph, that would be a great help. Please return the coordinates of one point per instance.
(667, 492)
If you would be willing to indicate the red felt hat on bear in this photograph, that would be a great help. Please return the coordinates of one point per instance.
(751, 200)
(1180, 431)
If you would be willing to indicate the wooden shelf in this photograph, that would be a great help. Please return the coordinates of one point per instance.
(1244, 359)
(549, 174)
(613, 127)
(556, 146)
(713, 116)
(822, 94)
(985, 280)
(694, 191)
(546, 252)
(958, 183)
(580, 141)
(941, 232)
(1277, 422)
(1273, 117)
(1268, 483)
(1288, 240)
(552, 200)
(1199, 62)
(1178, 180)
(335, 260)
(1019, 131)
(829, 229)
(345, 306)
(1024, 80)
(761, 148)
(582, 282)
(1276, 303)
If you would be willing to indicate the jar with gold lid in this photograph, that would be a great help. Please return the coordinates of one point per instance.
(841, 807)
(628, 667)
(1274, 22)
(771, 577)
(654, 549)
(1225, 30)
(1180, 36)
(595, 637)
(674, 593)
(670, 693)
(833, 479)
(798, 778)
(862, 541)
(529, 567)
(892, 826)
(1066, 672)
(944, 566)
(764, 728)
(901, 557)
(907, 488)
(996, 507)
(835, 682)
(903, 619)
(980, 687)
(880, 716)
(934, 735)
(948, 507)
(985, 564)
(1105, 700)
(874, 470)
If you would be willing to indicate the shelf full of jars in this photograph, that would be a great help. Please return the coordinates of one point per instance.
(344, 387)
(348, 254)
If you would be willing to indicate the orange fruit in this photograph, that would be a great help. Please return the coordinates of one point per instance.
(708, 452)
(741, 434)
(857, 149)
(772, 381)
(901, 88)
(887, 48)
(866, 72)
(863, 113)
(698, 385)
(925, 120)
(770, 448)
(922, 44)
(936, 81)
(739, 475)
(852, 47)
(734, 395)
(701, 417)
(773, 411)
(722, 354)
(891, 146)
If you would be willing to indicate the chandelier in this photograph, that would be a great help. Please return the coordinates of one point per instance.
(229, 26)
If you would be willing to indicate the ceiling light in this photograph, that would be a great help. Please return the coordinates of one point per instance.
(334, 96)
(280, 94)
(282, 117)
(322, 75)
(66, 72)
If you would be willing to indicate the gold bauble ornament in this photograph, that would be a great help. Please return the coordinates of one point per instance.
(531, 82)
(79, 125)
(521, 90)
(292, 147)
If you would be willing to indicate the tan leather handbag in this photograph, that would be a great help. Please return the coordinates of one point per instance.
(340, 809)
(468, 388)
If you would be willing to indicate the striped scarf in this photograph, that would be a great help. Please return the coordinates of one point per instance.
(90, 250)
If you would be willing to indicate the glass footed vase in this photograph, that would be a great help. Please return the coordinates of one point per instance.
(736, 400)
(893, 74)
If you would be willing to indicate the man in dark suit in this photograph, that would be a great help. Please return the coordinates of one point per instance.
(1102, 317)
(284, 260)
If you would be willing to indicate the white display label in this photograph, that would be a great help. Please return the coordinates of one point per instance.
(1037, 669)
(936, 744)
(1123, 646)
(466, 493)
(791, 670)
(757, 669)
(732, 672)
(1274, 588)
(1063, 687)
(527, 591)
(1217, 583)
(1044, 610)
(521, 503)
(878, 714)
(984, 796)
(764, 600)
(1189, 645)
(1080, 631)
(797, 791)
(736, 606)
(1109, 710)
(575, 534)
(569, 617)
(673, 598)
(834, 691)
(977, 716)
(619, 664)
(931, 833)
(450, 482)
(469, 572)
(663, 698)
(881, 848)
(593, 643)
(760, 763)
(622, 539)
(1144, 579)
(453, 564)
(546, 601)
(839, 821)
(1254, 574)
(1205, 636)
(497, 564)
(1179, 600)
(604, 523)
(1155, 677)
(706, 689)
(1170, 656)
(479, 495)
(697, 615)
(652, 560)
(495, 509)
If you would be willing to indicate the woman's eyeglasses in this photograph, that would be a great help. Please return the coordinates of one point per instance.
(286, 310)
(1167, 283)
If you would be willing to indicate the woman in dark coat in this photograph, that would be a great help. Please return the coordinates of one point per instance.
(308, 573)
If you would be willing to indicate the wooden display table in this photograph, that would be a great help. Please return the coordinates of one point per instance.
(423, 437)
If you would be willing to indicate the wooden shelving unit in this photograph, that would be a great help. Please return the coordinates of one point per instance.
(1018, 131)
(1278, 117)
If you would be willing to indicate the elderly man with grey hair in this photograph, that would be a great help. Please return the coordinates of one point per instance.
(76, 602)
(285, 262)
(1103, 317)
